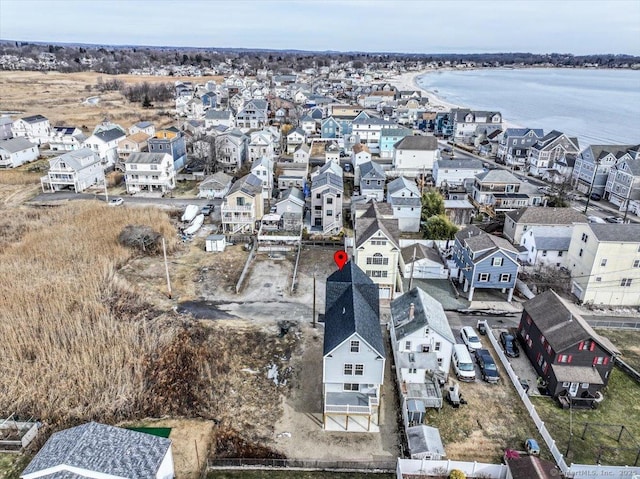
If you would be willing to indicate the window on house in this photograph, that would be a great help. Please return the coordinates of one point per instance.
(496, 261)
(407, 345)
(544, 252)
(565, 384)
(437, 346)
(580, 253)
(505, 278)
(329, 212)
(351, 387)
(625, 282)
(355, 346)
(483, 277)
(348, 369)
(559, 254)
(318, 196)
(359, 369)
(636, 263)
(603, 262)
(598, 360)
(598, 279)
(585, 237)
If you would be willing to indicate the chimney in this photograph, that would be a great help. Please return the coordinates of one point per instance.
(412, 309)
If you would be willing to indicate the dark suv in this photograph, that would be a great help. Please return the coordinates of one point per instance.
(488, 367)
(509, 345)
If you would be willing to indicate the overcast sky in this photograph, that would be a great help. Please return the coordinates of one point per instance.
(420, 26)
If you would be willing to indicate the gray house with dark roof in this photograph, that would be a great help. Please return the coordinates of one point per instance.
(353, 352)
(371, 179)
(95, 450)
(485, 261)
(565, 351)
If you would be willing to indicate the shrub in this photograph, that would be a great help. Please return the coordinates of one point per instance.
(457, 474)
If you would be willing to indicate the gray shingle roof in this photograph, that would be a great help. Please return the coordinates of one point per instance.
(424, 439)
(249, 184)
(218, 180)
(110, 135)
(421, 251)
(401, 183)
(428, 142)
(498, 176)
(478, 240)
(460, 164)
(101, 448)
(34, 119)
(146, 157)
(561, 322)
(553, 243)
(539, 215)
(16, 144)
(369, 223)
(372, 170)
(352, 306)
(618, 233)
(218, 115)
(292, 193)
(427, 312)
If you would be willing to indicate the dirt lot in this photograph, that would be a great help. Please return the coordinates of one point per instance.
(60, 97)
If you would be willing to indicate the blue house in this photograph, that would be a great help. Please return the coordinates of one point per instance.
(485, 261)
(209, 100)
(336, 127)
(172, 141)
(389, 137)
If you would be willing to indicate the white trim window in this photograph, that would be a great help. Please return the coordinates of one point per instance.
(483, 277)
(505, 277)
(359, 371)
(497, 261)
(348, 369)
(355, 346)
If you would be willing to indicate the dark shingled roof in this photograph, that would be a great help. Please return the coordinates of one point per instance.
(539, 215)
(110, 135)
(428, 142)
(101, 448)
(561, 322)
(427, 312)
(478, 240)
(370, 222)
(352, 306)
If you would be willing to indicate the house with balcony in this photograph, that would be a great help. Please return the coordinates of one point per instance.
(548, 150)
(66, 138)
(353, 353)
(104, 142)
(518, 222)
(231, 149)
(17, 151)
(76, 170)
(5, 127)
(367, 129)
(422, 344)
(215, 186)
(455, 172)
(514, 145)
(371, 179)
(623, 183)
(254, 114)
(243, 207)
(415, 155)
(35, 128)
(592, 166)
(263, 169)
(404, 198)
(262, 144)
(573, 360)
(376, 249)
(485, 261)
(292, 174)
(295, 138)
(135, 143)
(327, 193)
(463, 124)
(149, 172)
(604, 261)
(498, 190)
(172, 141)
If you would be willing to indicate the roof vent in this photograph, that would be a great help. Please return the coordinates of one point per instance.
(412, 310)
(343, 310)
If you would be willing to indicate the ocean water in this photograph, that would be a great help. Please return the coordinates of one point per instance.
(597, 106)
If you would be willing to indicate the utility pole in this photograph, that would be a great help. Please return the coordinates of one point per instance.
(314, 300)
(413, 265)
(166, 266)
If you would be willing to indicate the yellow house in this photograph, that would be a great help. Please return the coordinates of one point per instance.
(604, 260)
(243, 206)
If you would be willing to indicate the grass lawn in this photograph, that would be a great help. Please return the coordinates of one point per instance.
(295, 475)
(11, 465)
(628, 342)
(620, 406)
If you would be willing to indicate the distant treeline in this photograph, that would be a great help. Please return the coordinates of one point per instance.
(149, 92)
(114, 60)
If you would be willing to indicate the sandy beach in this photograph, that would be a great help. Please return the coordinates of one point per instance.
(407, 81)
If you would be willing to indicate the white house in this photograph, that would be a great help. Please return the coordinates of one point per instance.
(77, 170)
(35, 128)
(215, 118)
(243, 206)
(404, 197)
(353, 352)
(262, 144)
(295, 138)
(604, 260)
(455, 172)
(421, 337)
(149, 172)
(367, 130)
(100, 451)
(301, 155)
(262, 168)
(415, 155)
(422, 262)
(518, 222)
(547, 245)
(327, 191)
(16, 152)
(105, 145)
(360, 154)
(215, 186)
(66, 138)
(144, 127)
(291, 201)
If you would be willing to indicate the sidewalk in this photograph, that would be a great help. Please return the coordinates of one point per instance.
(497, 306)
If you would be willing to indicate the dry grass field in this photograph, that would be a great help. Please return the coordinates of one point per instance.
(60, 97)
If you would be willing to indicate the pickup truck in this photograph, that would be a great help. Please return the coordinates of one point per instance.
(488, 368)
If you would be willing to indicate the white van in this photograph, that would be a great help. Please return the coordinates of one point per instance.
(462, 364)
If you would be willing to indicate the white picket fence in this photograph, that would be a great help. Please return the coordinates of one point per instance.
(575, 471)
(471, 469)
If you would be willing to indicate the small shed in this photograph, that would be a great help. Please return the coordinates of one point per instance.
(416, 411)
(425, 443)
(215, 243)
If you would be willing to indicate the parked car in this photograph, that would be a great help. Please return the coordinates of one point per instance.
(613, 219)
(116, 201)
(595, 197)
(595, 219)
(470, 338)
(207, 210)
(488, 368)
(509, 345)
(532, 448)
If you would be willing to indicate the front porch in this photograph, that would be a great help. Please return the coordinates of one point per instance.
(351, 412)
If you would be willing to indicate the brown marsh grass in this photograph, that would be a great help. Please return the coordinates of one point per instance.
(65, 355)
